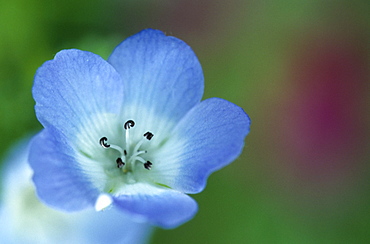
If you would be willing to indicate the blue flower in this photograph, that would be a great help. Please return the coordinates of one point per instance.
(24, 219)
(131, 131)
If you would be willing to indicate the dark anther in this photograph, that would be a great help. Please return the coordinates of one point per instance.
(120, 163)
(148, 165)
(148, 135)
(129, 124)
(125, 152)
(103, 143)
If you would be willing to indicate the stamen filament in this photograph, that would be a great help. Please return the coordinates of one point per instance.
(139, 159)
(136, 149)
(127, 141)
(118, 148)
(136, 154)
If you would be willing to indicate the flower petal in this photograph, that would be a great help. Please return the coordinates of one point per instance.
(108, 226)
(161, 74)
(72, 87)
(24, 219)
(160, 206)
(208, 138)
(58, 179)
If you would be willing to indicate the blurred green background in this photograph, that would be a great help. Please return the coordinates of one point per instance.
(300, 69)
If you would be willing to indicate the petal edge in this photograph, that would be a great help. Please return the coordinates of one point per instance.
(208, 138)
(162, 207)
(59, 182)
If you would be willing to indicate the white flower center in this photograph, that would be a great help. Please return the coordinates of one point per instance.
(117, 152)
(131, 154)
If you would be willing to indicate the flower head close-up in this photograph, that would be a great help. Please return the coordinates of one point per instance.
(131, 131)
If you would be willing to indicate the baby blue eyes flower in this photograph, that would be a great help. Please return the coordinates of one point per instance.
(131, 131)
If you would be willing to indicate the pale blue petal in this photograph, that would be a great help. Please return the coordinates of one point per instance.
(110, 226)
(208, 138)
(162, 75)
(160, 206)
(24, 219)
(59, 181)
(73, 87)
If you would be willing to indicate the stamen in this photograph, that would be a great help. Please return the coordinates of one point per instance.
(128, 158)
(148, 135)
(136, 154)
(136, 149)
(129, 124)
(106, 145)
(103, 143)
(127, 141)
(120, 163)
(148, 165)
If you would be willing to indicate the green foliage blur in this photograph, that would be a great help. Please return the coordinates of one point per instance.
(300, 69)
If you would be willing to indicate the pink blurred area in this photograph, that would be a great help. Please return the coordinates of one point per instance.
(325, 121)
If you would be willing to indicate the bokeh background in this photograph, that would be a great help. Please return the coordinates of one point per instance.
(300, 69)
